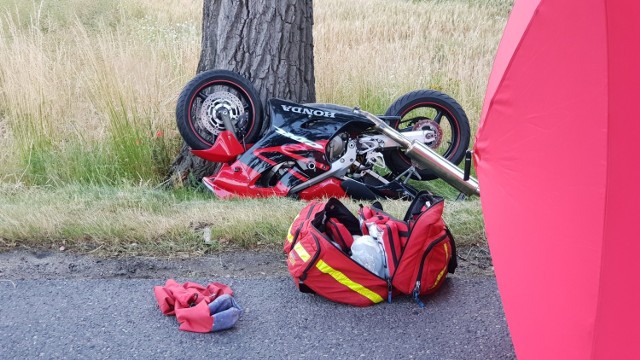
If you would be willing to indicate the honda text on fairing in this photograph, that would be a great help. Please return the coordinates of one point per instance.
(320, 150)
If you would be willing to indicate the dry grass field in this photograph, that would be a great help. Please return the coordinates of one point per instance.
(88, 90)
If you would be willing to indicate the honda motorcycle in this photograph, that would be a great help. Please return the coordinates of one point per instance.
(317, 150)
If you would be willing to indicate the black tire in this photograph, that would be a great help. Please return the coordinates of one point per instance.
(199, 133)
(428, 106)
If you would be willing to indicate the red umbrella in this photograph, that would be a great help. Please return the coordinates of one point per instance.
(557, 165)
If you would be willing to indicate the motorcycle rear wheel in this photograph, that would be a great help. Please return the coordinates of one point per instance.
(441, 116)
(199, 106)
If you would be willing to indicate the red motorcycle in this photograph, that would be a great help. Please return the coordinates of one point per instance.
(309, 151)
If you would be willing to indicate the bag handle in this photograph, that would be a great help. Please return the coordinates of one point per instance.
(419, 202)
(333, 208)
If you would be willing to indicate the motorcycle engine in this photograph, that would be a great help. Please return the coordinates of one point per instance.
(337, 147)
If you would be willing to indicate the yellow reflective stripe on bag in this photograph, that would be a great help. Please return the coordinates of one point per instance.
(304, 255)
(289, 234)
(344, 280)
(446, 266)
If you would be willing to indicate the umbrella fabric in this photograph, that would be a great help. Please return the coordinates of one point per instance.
(557, 165)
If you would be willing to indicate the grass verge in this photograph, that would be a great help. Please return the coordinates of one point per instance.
(91, 114)
(143, 221)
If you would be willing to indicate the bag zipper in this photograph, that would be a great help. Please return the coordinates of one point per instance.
(392, 246)
(313, 260)
(416, 293)
(416, 289)
(343, 244)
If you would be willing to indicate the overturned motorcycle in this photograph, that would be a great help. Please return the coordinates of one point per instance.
(315, 150)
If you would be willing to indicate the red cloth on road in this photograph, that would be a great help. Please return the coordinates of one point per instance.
(189, 302)
(196, 319)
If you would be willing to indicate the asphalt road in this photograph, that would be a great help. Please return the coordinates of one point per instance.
(119, 319)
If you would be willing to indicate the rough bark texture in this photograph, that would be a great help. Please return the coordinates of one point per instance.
(188, 169)
(268, 42)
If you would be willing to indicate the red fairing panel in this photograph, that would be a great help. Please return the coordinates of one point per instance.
(225, 149)
(239, 180)
(328, 188)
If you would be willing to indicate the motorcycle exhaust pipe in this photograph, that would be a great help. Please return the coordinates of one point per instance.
(427, 158)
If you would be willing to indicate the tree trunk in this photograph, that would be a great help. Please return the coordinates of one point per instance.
(268, 42)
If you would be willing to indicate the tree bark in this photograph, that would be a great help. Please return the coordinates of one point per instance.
(268, 42)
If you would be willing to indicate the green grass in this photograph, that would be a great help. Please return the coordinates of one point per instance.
(87, 89)
(87, 101)
(144, 221)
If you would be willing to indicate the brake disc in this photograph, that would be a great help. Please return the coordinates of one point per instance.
(212, 107)
(432, 132)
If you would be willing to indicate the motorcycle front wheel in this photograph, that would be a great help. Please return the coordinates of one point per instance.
(443, 120)
(207, 98)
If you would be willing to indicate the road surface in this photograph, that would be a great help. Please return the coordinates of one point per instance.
(67, 308)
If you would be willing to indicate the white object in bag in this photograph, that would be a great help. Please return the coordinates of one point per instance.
(366, 252)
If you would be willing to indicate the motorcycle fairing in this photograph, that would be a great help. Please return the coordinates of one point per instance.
(290, 159)
(330, 187)
(226, 148)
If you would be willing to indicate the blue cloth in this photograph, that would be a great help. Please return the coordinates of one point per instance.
(225, 311)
